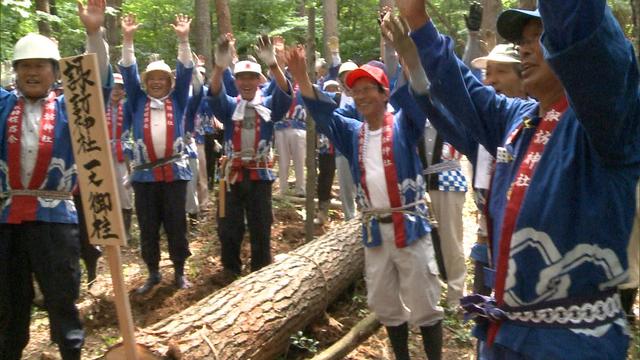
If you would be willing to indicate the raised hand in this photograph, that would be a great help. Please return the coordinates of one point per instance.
(333, 44)
(297, 61)
(222, 51)
(474, 19)
(414, 12)
(129, 26)
(182, 26)
(265, 51)
(92, 15)
(396, 32)
(278, 46)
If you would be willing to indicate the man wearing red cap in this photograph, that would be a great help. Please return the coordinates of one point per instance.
(561, 201)
(401, 272)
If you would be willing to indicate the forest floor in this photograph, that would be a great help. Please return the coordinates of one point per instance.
(205, 272)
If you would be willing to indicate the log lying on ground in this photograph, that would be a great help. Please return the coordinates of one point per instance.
(333, 204)
(253, 317)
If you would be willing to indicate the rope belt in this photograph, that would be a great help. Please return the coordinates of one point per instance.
(591, 312)
(443, 166)
(383, 215)
(46, 194)
(237, 162)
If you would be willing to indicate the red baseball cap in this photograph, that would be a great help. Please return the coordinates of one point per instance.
(368, 71)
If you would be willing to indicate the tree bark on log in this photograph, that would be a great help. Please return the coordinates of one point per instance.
(359, 333)
(254, 317)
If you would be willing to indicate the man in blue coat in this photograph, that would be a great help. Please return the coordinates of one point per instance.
(561, 201)
(38, 219)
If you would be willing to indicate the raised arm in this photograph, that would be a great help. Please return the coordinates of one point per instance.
(182, 27)
(485, 114)
(128, 66)
(582, 37)
(266, 52)
(92, 17)
(223, 55)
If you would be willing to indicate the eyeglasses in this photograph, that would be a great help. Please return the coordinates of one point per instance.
(363, 90)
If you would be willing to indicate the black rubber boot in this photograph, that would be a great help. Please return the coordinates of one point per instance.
(154, 279)
(126, 217)
(399, 337)
(91, 263)
(627, 298)
(180, 279)
(70, 354)
(432, 340)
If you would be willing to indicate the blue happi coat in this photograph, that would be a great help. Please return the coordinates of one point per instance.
(569, 247)
(61, 172)
(224, 106)
(137, 99)
(343, 131)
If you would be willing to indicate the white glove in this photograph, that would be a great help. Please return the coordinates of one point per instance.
(265, 51)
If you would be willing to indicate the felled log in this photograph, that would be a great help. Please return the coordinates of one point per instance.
(254, 317)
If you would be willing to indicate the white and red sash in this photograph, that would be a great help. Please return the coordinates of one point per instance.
(164, 172)
(118, 136)
(517, 192)
(237, 163)
(24, 208)
(390, 174)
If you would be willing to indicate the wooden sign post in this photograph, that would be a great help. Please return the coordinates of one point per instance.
(96, 176)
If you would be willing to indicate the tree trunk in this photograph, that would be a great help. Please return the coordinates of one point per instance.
(202, 32)
(491, 10)
(224, 17)
(112, 26)
(53, 10)
(330, 17)
(43, 25)
(254, 317)
(527, 4)
(312, 174)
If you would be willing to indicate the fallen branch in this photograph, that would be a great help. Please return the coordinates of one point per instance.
(359, 333)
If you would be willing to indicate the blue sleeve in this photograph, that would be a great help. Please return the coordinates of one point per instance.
(484, 113)
(132, 83)
(350, 111)
(183, 82)
(229, 82)
(339, 129)
(279, 102)
(269, 88)
(107, 86)
(333, 73)
(582, 38)
(127, 134)
(414, 119)
(222, 106)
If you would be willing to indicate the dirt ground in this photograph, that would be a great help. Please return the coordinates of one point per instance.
(205, 272)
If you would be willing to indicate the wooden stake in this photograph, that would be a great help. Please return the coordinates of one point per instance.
(123, 307)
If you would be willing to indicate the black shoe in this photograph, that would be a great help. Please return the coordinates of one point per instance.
(70, 354)
(153, 280)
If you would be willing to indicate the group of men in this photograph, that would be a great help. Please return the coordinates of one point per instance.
(556, 166)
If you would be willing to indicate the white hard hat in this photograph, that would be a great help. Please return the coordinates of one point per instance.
(330, 83)
(117, 79)
(247, 66)
(159, 65)
(35, 46)
(347, 66)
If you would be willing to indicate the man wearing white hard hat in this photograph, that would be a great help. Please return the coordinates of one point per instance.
(38, 219)
(248, 132)
(160, 172)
